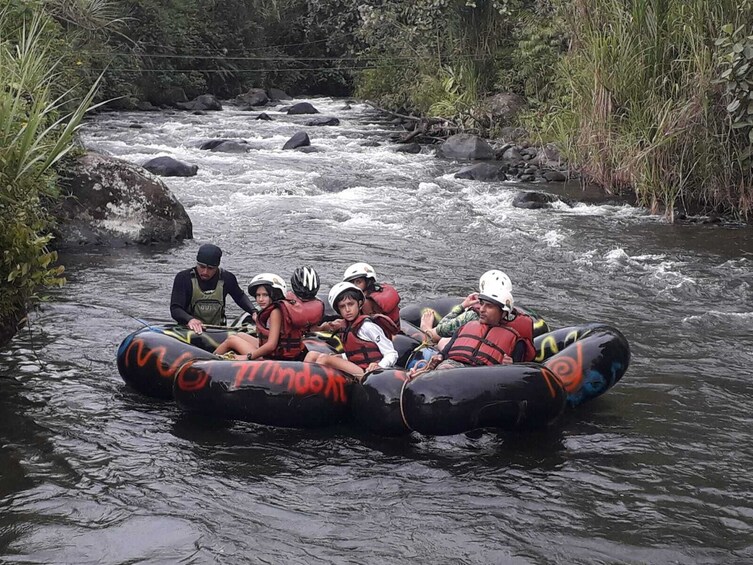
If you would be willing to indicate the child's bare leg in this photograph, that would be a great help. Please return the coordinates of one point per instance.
(312, 357)
(240, 343)
(337, 362)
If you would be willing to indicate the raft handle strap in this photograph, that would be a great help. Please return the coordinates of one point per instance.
(402, 411)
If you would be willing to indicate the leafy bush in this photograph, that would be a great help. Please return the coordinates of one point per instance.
(35, 133)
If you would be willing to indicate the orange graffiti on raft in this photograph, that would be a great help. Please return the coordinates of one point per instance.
(568, 369)
(301, 379)
(142, 356)
(550, 381)
(199, 379)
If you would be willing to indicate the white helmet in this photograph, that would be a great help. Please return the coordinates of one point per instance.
(357, 270)
(499, 295)
(270, 279)
(338, 289)
(494, 277)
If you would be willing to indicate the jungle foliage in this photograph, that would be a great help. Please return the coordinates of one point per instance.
(39, 116)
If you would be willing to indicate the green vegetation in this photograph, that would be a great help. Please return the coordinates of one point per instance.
(36, 131)
(645, 110)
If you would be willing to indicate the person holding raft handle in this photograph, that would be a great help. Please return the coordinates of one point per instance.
(199, 293)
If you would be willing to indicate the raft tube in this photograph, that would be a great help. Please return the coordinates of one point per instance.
(442, 306)
(578, 364)
(149, 358)
(276, 393)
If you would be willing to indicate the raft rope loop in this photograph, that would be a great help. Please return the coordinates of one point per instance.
(402, 410)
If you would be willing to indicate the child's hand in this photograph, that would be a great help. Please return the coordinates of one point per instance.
(371, 368)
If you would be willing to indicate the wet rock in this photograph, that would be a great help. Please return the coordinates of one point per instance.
(370, 143)
(466, 146)
(277, 94)
(555, 176)
(302, 108)
(323, 122)
(512, 154)
(413, 148)
(112, 202)
(254, 97)
(264, 116)
(537, 200)
(300, 139)
(203, 102)
(135, 126)
(549, 157)
(167, 96)
(482, 172)
(534, 200)
(169, 167)
(308, 149)
(226, 145)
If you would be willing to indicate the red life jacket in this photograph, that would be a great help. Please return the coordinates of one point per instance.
(363, 352)
(523, 324)
(477, 344)
(303, 313)
(289, 344)
(386, 300)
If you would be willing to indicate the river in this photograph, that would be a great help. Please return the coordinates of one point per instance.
(656, 471)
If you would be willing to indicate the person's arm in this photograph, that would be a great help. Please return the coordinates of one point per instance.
(519, 352)
(236, 293)
(180, 298)
(372, 332)
(275, 326)
(449, 327)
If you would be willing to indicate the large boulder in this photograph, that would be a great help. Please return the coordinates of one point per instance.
(254, 97)
(168, 167)
(300, 139)
(226, 145)
(323, 121)
(108, 201)
(466, 146)
(277, 94)
(503, 108)
(302, 108)
(203, 102)
(482, 172)
(537, 200)
(170, 96)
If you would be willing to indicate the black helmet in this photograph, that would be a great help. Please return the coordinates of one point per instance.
(305, 282)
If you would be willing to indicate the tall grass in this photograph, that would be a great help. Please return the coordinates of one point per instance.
(35, 133)
(646, 111)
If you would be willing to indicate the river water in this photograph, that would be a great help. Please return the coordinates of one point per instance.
(655, 471)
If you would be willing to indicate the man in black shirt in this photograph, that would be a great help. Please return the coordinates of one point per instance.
(199, 293)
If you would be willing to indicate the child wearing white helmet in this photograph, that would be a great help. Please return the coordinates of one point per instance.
(269, 291)
(366, 345)
(379, 298)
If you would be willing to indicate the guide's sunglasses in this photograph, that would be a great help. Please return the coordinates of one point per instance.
(205, 266)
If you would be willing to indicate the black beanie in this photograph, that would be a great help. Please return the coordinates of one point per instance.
(209, 255)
